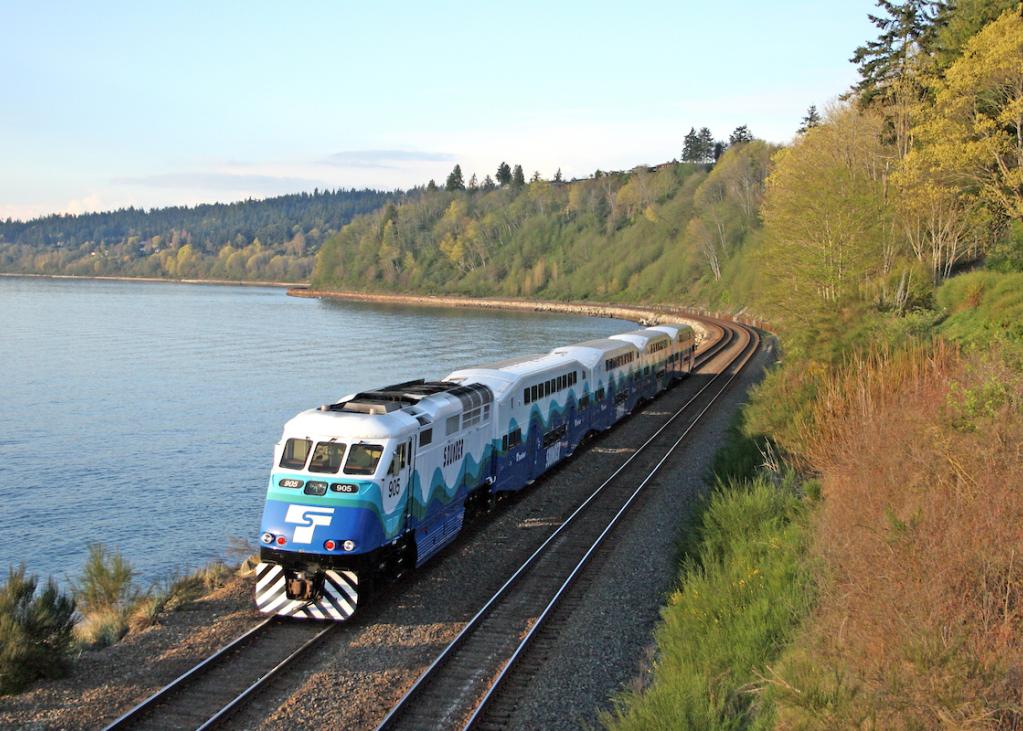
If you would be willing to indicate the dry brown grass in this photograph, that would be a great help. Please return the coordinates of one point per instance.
(920, 623)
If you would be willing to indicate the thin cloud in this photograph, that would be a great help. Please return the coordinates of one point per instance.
(384, 158)
(222, 182)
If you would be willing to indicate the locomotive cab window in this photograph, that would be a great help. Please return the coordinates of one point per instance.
(363, 459)
(425, 437)
(296, 452)
(327, 457)
(397, 461)
(452, 425)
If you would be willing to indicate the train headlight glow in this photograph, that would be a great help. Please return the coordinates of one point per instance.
(267, 538)
(348, 545)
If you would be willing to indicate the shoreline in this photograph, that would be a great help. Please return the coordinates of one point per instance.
(168, 280)
(645, 315)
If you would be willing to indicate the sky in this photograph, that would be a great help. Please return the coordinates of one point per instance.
(106, 105)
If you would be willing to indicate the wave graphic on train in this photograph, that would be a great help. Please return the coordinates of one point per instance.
(377, 483)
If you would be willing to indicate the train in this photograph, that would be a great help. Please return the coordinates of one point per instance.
(377, 483)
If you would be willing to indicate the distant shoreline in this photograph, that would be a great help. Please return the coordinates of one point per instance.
(232, 282)
(643, 314)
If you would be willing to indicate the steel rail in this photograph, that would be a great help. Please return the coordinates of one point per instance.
(403, 703)
(152, 701)
(224, 712)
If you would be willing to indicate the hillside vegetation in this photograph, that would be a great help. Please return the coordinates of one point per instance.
(276, 238)
(649, 234)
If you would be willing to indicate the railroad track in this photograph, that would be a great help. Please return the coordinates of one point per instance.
(208, 693)
(467, 676)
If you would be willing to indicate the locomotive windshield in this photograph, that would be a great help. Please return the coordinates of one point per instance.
(327, 457)
(363, 459)
(296, 452)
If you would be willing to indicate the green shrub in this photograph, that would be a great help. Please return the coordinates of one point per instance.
(743, 593)
(35, 631)
(107, 581)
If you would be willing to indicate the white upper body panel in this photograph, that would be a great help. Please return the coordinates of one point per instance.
(642, 339)
(677, 332)
(593, 353)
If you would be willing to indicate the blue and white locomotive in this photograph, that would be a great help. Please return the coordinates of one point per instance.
(378, 482)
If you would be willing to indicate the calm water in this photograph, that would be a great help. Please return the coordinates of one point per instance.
(143, 415)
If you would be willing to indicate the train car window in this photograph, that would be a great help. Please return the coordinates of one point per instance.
(600, 394)
(525, 396)
(425, 437)
(472, 417)
(515, 437)
(547, 390)
(296, 452)
(486, 412)
(452, 424)
(504, 443)
(363, 459)
(534, 393)
(327, 457)
(584, 402)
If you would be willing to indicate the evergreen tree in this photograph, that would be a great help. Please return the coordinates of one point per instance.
(740, 135)
(883, 61)
(455, 181)
(719, 149)
(518, 177)
(705, 145)
(504, 174)
(690, 146)
(536, 177)
(811, 120)
(557, 176)
(473, 183)
(431, 187)
(488, 184)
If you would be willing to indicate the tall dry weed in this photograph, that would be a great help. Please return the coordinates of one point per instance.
(920, 623)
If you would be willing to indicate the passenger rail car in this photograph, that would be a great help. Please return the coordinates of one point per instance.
(381, 480)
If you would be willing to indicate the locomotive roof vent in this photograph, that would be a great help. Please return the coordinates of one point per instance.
(368, 407)
(392, 398)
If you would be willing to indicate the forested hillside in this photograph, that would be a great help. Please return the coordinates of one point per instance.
(669, 233)
(276, 238)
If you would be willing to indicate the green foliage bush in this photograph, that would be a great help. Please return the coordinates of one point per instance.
(107, 581)
(982, 307)
(36, 639)
(742, 594)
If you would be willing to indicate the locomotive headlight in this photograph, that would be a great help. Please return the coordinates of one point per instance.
(267, 538)
(348, 545)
